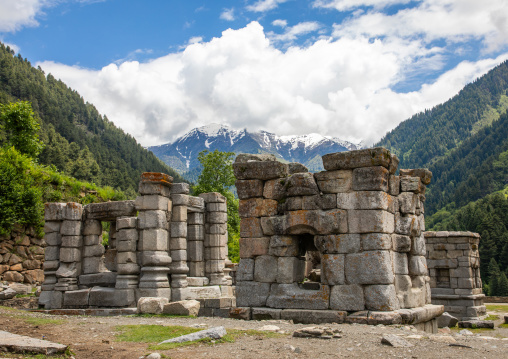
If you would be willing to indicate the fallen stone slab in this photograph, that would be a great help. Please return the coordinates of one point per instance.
(213, 333)
(476, 324)
(183, 307)
(21, 344)
(317, 332)
(395, 341)
(9, 293)
(446, 320)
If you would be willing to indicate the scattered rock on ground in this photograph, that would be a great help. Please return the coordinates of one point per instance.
(466, 332)
(446, 320)
(317, 332)
(154, 356)
(151, 305)
(443, 339)
(183, 307)
(476, 324)
(395, 341)
(213, 333)
(269, 328)
(7, 294)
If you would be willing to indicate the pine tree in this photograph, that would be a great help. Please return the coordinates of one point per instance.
(493, 275)
(503, 285)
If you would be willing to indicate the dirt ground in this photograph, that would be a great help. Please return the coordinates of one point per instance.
(95, 337)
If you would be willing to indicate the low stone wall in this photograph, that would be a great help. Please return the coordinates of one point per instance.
(495, 300)
(22, 256)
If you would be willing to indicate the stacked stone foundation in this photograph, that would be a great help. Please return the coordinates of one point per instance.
(342, 245)
(454, 268)
(159, 246)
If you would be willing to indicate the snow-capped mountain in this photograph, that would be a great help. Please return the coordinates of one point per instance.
(306, 149)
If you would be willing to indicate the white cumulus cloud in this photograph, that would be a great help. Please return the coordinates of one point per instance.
(336, 86)
(228, 14)
(15, 14)
(264, 5)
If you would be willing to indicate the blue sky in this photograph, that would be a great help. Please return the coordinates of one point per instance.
(346, 68)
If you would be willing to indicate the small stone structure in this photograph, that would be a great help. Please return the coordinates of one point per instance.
(356, 229)
(454, 268)
(166, 243)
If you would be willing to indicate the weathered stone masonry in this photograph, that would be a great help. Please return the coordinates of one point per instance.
(365, 223)
(454, 268)
(176, 248)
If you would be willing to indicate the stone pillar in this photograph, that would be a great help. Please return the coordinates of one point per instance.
(216, 237)
(71, 249)
(196, 246)
(154, 208)
(178, 241)
(93, 249)
(454, 269)
(127, 261)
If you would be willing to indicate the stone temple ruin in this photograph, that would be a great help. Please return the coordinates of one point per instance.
(454, 268)
(176, 248)
(347, 244)
(357, 222)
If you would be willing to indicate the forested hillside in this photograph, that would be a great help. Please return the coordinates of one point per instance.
(464, 142)
(78, 140)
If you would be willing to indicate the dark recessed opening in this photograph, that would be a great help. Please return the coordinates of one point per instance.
(443, 277)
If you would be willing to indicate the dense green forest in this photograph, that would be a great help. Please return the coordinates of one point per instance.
(78, 140)
(464, 142)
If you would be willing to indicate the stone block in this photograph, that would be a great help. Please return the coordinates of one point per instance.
(257, 207)
(381, 297)
(185, 307)
(178, 229)
(70, 255)
(63, 211)
(301, 184)
(334, 181)
(284, 246)
(251, 247)
(51, 299)
(213, 197)
(319, 201)
(332, 269)
(92, 240)
(51, 253)
(195, 251)
(313, 316)
(403, 284)
(126, 222)
(370, 179)
(179, 214)
(126, 257)
(76, 298)
(70, 228)
(371, 267)
(51, 265)
(317, 222)
(275, 189)
(411, 184)
(266, 314)
(214, 266)
(405, 225)
(407, 202)
(195, 232)
(152, 219)
(249, 188)
(146, 188)
(251, 228)
(295, 167)
(394, 185)
(104, 279)
(376, 241)
(92, 265)
(291, 296)
(92, 226)
(400, 265)
(370, 221)
(252, 294)
(51, 226)
(180, 188)
(127, 246)
(216, 228)
(418, 247)
(265, 269)
(197, 269)
(148, 305)
(72, 241)
(53, 239)
(93, 251)
(265, 170)
(347, 297)
(153, 240)
(111, 297)
(245, 271)
(290, 270)
(216, 240)
(216, 207)
(127, 235)
(195, 218)
(110, 211)
(216, 217)
(417, 265)
(424, 174)
(401, 243)
(378, 156)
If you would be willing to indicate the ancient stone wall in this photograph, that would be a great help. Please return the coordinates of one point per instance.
(454, 268)
(357, 226)
(22, 256)
(166, 244)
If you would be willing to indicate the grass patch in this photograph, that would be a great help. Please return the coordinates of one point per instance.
(492, 317)
(497, 307)
(503, 325)
(43, 321)
(162, 315)
(158, 333)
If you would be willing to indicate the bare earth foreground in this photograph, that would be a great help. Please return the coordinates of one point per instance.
(95, 337)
